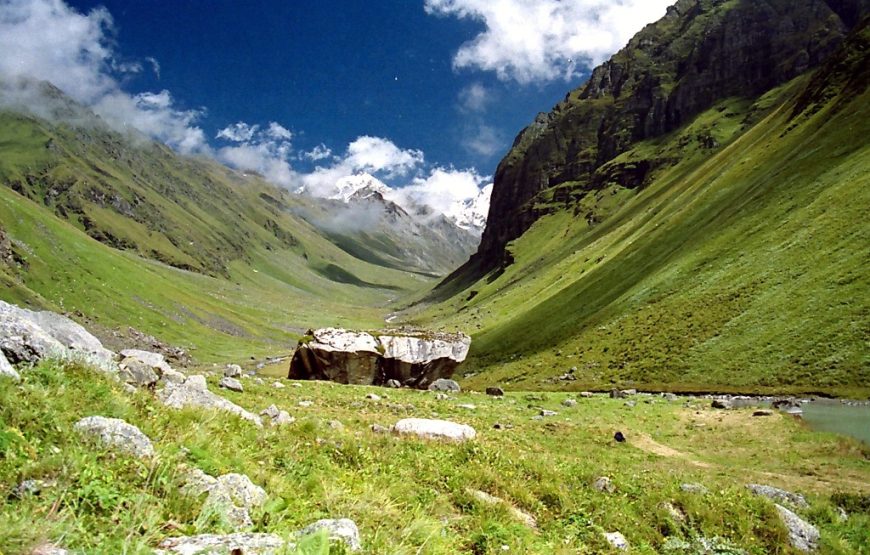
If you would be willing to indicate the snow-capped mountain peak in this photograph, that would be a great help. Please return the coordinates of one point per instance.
(358, 186)
(470, 214)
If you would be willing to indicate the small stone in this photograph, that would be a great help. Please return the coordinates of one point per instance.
(617, 394)
(628, 392)
(495, 391)
(586, 394)
(258, 381)
(6, 370)
(442, 397)
(49, 549)
(378, 429)
(295, 384)
(619, 437)
(239, 543)
(135, 372)
(434, 429)
(335, 425)
(537, 417)
(233, 371)
(630, 404)
(116, 434)
(278, 385)
(604, 484)
(545, 412)
(232, 384)
(694, 488)
(779, 495)
(277, 417)
(373, 397)
(467, 406)
(802, 535)
(763, 412)
(569, 403)
(194, 393)
(395, 384)
(723, 404)
(442, 384)
(673, 511)
(670, 397)
(306, 404)
(617, 540)
(342, 529)
(28, 487)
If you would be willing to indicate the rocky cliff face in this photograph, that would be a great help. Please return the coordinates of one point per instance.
(702, 51)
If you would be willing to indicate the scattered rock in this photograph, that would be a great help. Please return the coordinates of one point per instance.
(617, 540)
(802, 535)
(694, 488)
(194, 393)
(619, 437)
(276, 416)
(674, 512)
(6, 370)
(232, 496)
(586, 394)
(630, 404)
(670, 397)
(306, 404)
(49, 549)
(378, 429)
(233, 371)
(628, 392)
(155, 361)
(723, 404)
(373, 397)
(495, 391)
(604, 484)
(442, 397)
(569, 403)
(116, 434)
(763, 412)
(444, 384)
(30, 487)
(258, 381)
(395, 384)
(467, 406)
(545, 412)
(515, 512)
(335, 425)
(778, 495)
(295, 384)
(241, 543)
(278, 385)
(434, 429)
(618, 394)
(135, 372)
(340, 529)
(232, 384)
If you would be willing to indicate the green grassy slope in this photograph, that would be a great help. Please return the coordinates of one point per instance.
(415, 497)
(741, 266)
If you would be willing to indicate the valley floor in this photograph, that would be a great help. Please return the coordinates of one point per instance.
(540, 475)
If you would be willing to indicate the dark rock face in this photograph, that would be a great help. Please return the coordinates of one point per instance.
(411, 359)
(701, 52)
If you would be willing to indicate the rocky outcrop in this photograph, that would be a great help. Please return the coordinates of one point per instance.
(28, 337)
(116, 434)
(701, 52)
(414, 359)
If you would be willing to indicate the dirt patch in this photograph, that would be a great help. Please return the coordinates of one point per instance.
(648, 444)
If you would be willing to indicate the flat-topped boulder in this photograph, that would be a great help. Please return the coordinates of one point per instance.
(411, 358)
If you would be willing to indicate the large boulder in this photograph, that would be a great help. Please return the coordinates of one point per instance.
(410, 358)
(28, 336)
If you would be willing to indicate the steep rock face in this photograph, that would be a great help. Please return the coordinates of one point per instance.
(700, 52)
(414, 359)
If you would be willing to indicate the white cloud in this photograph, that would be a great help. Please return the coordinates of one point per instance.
(474, 98)
(279, 132)
(543, 40)
(155, 65)
(483, 140)
(239, 132)
(265, 152)
(376, 154)
(441, 189)
(320, 152)
(46, 40)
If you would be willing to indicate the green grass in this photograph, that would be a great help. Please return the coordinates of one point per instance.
(410, 496)
(735, 269)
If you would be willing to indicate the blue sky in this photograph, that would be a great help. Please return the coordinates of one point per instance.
(432, 83)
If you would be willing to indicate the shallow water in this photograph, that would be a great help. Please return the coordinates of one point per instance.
(839, 418)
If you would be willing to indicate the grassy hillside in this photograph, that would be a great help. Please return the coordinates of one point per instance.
(418, 497)
(741, 266)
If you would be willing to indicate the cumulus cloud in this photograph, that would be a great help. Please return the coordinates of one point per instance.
(483, 139)
(263, 151)
(441, 190)
(474, 98)
(376, 154)
(543, 40)
(46, 40)
(320, 152)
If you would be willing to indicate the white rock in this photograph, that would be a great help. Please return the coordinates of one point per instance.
(210, 544)
(232, 384)
(230, 495)
(341, 529)
(116, 434)
(277, 417)
(278, 385)
(617, 540)
(194, 393)
(437, 429)
(373, 397)
(155, 360)
(802, 535)
(233, 371)
(419, 350)
(305, 404)
(6, 370)
(516, 512)
(337, 339)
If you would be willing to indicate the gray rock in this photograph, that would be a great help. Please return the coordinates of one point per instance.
(233, 371)
(306, 404)
(116, 434)
(232, 384)
(723, 404)
(518, 514)
(617, 394)
(778, 495)
(434, 429)
(604, 484)
(763, 412)
(213, 544)
(232, 496)
(670, 397)
(335, 425)
(277, 417)
(49, 549)
(617, 540)
(135, 372)
(445, 385)
(194, 393)
(569, 403)
(155, 360)
(173, 376)
(378, 429)
(694, 488)
(278, 385)
(30, 487)
(586, 394)
(6, 370)
(467, 406)
(802, 535)
(630, 404)
(628, 392)
(341, 529)
(545, 412)
(442, 397)
(395, 384)
(495, 391)
(373, 397)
